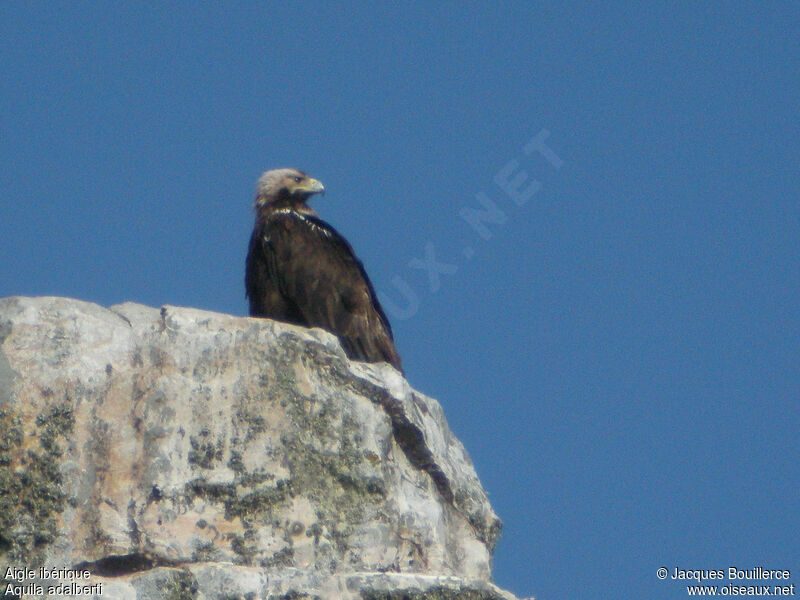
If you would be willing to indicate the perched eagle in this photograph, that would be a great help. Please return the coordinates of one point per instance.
(300, 270)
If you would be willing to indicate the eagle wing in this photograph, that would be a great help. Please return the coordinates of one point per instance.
(319, 277)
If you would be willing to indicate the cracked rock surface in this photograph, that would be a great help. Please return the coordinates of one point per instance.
(179, 453)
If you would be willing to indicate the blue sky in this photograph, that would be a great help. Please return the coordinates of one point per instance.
(619, 353)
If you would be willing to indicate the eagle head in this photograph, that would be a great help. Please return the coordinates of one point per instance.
(286, 185)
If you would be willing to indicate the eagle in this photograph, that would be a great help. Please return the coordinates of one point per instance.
(300, 270)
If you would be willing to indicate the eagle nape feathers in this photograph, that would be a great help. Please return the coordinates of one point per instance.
(301, 270)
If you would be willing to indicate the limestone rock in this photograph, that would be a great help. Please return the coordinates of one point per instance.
(179, 453)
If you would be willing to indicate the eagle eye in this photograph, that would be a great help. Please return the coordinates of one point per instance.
(298, 179)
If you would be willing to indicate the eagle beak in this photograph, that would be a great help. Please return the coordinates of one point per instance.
(317, 187)
(312, 186)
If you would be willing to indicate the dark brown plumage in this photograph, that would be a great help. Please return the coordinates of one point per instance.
(300, 270)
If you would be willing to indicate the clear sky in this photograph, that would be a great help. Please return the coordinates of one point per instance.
(616, 342)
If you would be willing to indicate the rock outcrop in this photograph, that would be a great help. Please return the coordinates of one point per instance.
(178, 453)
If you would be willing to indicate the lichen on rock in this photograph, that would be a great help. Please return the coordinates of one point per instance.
(178, 453)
